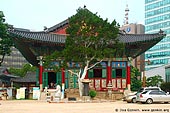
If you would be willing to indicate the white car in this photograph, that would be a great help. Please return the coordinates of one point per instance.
(131, 98)
(153, 96)
(143, 89)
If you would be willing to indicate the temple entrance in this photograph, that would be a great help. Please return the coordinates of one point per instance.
(51, 79)
(118, 73)
(97, 73)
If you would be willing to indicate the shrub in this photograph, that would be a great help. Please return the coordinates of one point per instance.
(165, 86)
(92, 93)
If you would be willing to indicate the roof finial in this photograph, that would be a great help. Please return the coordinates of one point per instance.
(45, 29)
(84, 6)
(161, 31)
(126, 14)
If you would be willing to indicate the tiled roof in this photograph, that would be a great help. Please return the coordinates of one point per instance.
(135, 44)
(57, 38)
(29, 77)
(57, 26)
(131, 38)
(5, 76)
(41, 36)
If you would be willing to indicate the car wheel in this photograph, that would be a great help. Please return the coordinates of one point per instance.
(149, 101)
(133, 100)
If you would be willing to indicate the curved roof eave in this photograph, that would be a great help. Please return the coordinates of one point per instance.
(58, 38)
(39, 36)
(138, 43)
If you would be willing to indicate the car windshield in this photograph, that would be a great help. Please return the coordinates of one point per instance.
(144, 92)
(140, 90)
(147, 89)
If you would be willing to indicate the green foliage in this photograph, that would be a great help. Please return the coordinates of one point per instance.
(22, 72)
(5, 42)
(135, 79)
(154, 81)
(92, 93)
(90, 37)
(165, 86)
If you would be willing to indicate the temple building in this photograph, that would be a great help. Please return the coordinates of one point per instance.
(36, 45)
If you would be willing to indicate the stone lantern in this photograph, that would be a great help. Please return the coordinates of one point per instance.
(86, 87)
(109, 89)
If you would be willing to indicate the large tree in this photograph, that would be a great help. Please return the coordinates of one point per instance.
(5, 41)
(90, 40)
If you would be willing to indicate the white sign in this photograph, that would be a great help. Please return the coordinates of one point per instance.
(18, 94)
(22, 93)
(36, 92)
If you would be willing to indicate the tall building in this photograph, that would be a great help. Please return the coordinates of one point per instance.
(15, 60)
(134, 28)
(157, 16)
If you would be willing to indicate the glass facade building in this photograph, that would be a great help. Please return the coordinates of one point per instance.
(167, 73)
(157, 16)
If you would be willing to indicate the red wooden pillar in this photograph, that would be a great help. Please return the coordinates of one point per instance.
(41, 73)
(128, 76)
(108, 72)
(63, 82)
(63, 75)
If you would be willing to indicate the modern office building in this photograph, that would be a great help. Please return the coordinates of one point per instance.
(15, 60)
(157, 16)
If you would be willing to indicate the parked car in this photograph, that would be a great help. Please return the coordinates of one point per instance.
(143, 89)
(153, 96)
(148, 88)
(131, 98)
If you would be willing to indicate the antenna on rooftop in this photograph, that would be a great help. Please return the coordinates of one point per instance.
(126, 14)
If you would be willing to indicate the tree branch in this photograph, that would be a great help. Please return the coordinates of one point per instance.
(77, 74)
(94, 64)
(72, 72)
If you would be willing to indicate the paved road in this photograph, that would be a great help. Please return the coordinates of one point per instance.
(35, 106)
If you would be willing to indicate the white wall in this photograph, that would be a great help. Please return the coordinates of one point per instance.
(156, 71)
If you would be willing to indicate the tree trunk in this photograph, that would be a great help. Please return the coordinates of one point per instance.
(83, 75)
(2, 59)
(80, 81)
(80, 88)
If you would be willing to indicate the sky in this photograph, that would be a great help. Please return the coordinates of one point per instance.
(35, 14)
